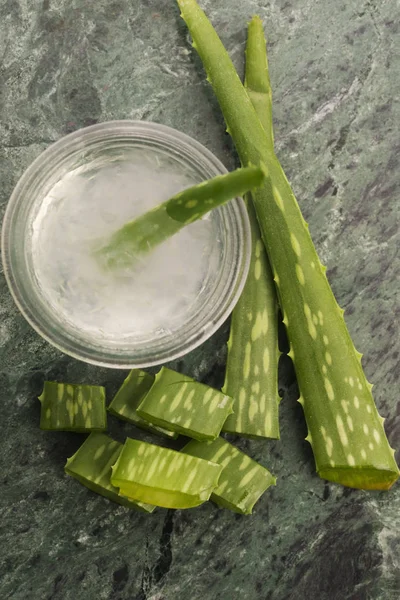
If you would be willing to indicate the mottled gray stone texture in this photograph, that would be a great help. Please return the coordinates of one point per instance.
(335, 76)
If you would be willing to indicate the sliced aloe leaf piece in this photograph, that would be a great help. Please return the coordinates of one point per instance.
(164, 477)
(72, 407)
(129, 396)
(242, 481)
(185, 406)
(91, 465)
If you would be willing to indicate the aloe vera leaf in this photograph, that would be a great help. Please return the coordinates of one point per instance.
(129, 396)
(256, 80)
(180, 403)
(71, 407)
(251, 376)
(163, 477)
(91, 465)
(242, 481)
(165, 220)
(344, 428)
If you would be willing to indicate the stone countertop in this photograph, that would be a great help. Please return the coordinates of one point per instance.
(70, 63)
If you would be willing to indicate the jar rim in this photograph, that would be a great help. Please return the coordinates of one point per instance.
(41, 169)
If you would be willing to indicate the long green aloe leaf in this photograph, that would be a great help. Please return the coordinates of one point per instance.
(344, 428)
(251, 376)
(165, 220)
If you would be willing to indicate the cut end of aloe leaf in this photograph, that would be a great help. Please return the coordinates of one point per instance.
(363, 478)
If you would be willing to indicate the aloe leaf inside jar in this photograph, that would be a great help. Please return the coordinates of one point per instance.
(150, 298)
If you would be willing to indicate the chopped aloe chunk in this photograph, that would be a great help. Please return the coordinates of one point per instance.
(91, 466)
(128, 398)
(71, 407)
(164, 477)
(186, 406)
(242, 480)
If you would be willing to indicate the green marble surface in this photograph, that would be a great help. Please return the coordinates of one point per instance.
(335, 76)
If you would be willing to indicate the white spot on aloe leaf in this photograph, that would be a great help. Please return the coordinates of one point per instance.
(329, 446)
(329, 388)
(178, 398)
(356, 402)
(278, 198)
(258, 248)
(295, 244)
(350, 460)
(247, 362)
(266, 360)
(223, 402)
(191, 204)
(325, 340)
(245, 462)
(341, 430)
(260, 326)
(248, 476)
(311, 327)
(328, 358)
(188, 404)
(345, 406)
(363, 454)
(377, 437)
(365, 429)
(300, 275)
(257, 269)
(253, 409)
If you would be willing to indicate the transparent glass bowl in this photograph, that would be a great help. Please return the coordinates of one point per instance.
(118, 140)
